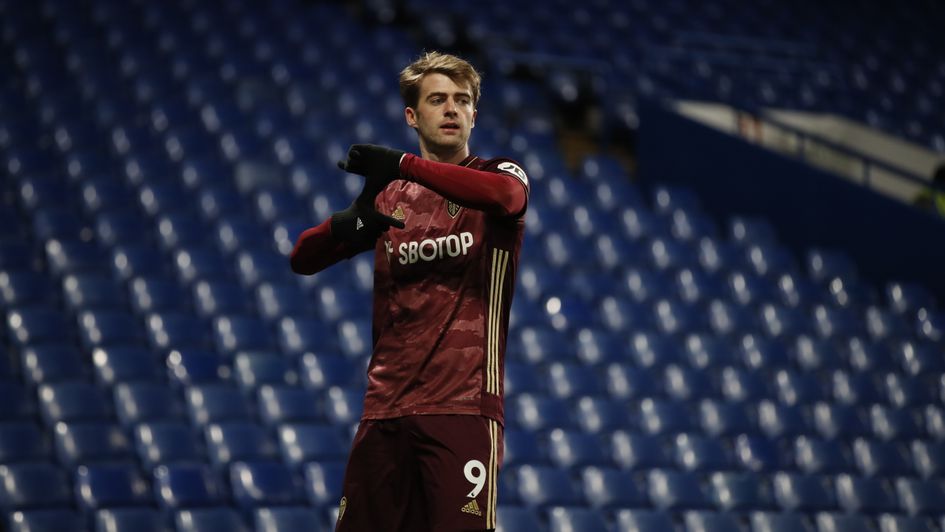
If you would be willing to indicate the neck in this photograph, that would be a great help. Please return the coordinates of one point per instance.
(444, 155)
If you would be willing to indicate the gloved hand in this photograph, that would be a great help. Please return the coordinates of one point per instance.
(360, 224)
(378, 164)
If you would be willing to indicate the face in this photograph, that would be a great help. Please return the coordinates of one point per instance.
(444, 116)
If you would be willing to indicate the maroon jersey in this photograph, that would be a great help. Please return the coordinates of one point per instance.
(442, 293)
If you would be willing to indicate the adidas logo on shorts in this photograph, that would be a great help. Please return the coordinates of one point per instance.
(472, 508)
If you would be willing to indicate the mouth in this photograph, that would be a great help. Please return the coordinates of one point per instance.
(450, 126)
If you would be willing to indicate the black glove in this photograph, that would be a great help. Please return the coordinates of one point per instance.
(379, 165)
(360, 224)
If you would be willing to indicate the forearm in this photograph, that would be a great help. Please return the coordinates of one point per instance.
(316, 250)
(490, 192)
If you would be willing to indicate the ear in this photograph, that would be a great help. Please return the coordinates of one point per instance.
(475, 114)
(410, 114)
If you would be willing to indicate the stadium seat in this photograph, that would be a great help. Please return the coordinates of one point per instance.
(928, 458)
(760, 454)
(804, 493)
(51, 519)
(720, 418)
(895, 423)
(638, 452)
(862, 495)
(569, 449)
(705, 351)
(741, 385)
(219, 297)
(921, 497)
(779, 420)
(320, 371)
(52, 363)
(904, 523)
(255, 369)
(108, 328)
(187, 485)
(739, 492)
(665, 417)
(853, 388)
(343, 406)
(108, 485)
(302, 334)
(157, 294)
(35, 325)
(607, 488)
(83, 443)
(166, 442)
(19, 402)
(542, 487)
(144, 402)
(687, 384)
(119, 364)
(72, 401)
(626, 381)
(277, 299)
(22, 288)
(821, 456)
(33, 485)
(596, 415)
(257, 484)
(537, 412)
(514, 518)
(301, 443)
(643, 521)
(214, 519)
(287, 519)
(706, 521)
(187, 367)
(22, 441)
(695, 452)
(323, 482)
(562, 519)
(919, 357)
(280, 404)
(132, 519)
(881, 459)
(92, 291)
(839, 421)
(233, 441)
(212, 403)
(137, 260)
(676, 490)
(829, 522)
(566, 380)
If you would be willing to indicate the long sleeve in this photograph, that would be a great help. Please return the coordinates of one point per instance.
(493, 192)
(316, 250)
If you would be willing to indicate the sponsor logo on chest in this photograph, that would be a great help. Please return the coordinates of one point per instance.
(432, 249)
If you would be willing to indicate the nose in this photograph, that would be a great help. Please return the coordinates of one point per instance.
(450, 108)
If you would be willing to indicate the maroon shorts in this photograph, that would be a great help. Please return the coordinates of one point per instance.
(420, 473)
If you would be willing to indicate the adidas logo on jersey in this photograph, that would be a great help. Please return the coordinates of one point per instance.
(472, 508)
(359, 225)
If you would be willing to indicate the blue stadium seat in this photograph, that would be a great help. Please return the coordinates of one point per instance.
(234, 233)
(45, 520)
(863, 355)
(542, 487)
(637, 451)
(301, 334)
(241, 333)
(595, 347)
(908, 298)
(649, 349)
(538, 344)
(214, 519)
(839, 421)
(883, 324)
(831, 522)
(687, 384)
(779, 522)
(136, 260)
(931, 325)
(52, 363)
(255, 266)
(822, 456)
(84, 443)
(760, 454)
(138, 402)
(739, 492)
(33, 326)
(780, 322)
(301, 443)
(798, 388)
(919, 357)
(567, 380)
(770, 260)
(323, 482)
(904, 523)
(624, 381)
(175, 330)
(575, 449)
(725, 418)
(741, 385)
(665, 417)
(921, 497)
(513, 518)
(855, 388)
(200, 263)
(705, 351)
(671, 490)
(108, 328)
(928, 458)
(695, 452)
(863, 495)
(282, 404)
(730, 319)
(607, 488)
(705, 521)
(824, 265)
(64, 257)
(166, 442)
(255, 369)
(18, 400)
(109, 485)
(72, 401)
(187, 485)
(212, 403)
(257, 484)
(92, 291)
(233, 441)
(747, 288)
(278, 299)
(522, 378)
(644, 285)
(804, 493)
(890, 423)
(762, 354)
(144, 519)
(537, 412)
(180, 229)
(213, 298)
(834, 322)
(287, 519)
(119, 364)
(596, 414)
(343, 406)
(157, 294)
(33, 485)
(643, 521)
(881, 459)
(320, 371)
(798, 291)
(187, 367)
(22, 288)
(562, 519)
(22, 441)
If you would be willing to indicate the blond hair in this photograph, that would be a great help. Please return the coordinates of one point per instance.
(457, 69)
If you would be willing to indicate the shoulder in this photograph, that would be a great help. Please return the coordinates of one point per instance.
(504, 165)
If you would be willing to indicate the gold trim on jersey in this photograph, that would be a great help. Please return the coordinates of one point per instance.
(492, 492)
(500, 262)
